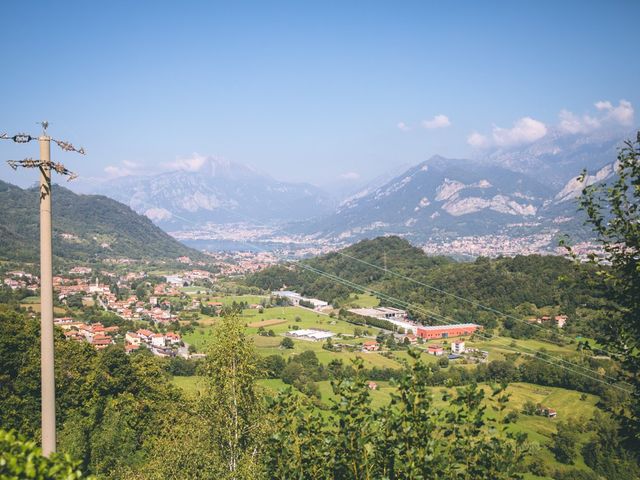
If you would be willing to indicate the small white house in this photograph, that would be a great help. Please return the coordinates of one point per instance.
(157, 340)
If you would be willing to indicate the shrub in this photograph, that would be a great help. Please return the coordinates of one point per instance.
(21, 458)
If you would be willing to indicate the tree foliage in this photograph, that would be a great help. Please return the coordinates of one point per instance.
(613, 211)
(22, 459)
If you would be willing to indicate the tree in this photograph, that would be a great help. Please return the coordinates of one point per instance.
(286, 343)
(232, 405)
(564, 443)
(613, 211)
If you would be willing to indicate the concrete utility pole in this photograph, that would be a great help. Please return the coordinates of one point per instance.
(48, 386)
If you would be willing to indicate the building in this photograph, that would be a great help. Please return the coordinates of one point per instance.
(293, 297)
(560, 320)
(309, 334)
(132, 338)
(370, 346)
(172, 338)
(157, 340)
(457, 347)
(547, 412)
(445, 331)
(145, 335)
(436, 350)
(413, 340)
(395, 316)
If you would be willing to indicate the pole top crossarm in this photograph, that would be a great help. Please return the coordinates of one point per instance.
(31, 163)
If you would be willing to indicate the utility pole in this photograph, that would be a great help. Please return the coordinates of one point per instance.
(45, 165)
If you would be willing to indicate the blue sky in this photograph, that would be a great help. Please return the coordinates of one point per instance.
(310, 91)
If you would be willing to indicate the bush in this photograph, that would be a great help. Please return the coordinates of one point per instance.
(286, 343)
(21, 458)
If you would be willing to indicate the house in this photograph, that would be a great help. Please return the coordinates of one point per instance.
(413, 340)
(145, 335)
(132, 338)
(445, 331)
(157, 340)
(371, 346)
(129, 347)
(457, 347)
(560, 320)
(172, 338)
(101, 341)
(436, 350)
(547, 412)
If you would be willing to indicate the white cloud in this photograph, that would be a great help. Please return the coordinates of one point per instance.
(403, 126)
(572, 123)
(126, 168)
(621, 115)
(477, 140)
(190, 164)
(349, 176)
(525, 130)
(603, 105)
(439, 121)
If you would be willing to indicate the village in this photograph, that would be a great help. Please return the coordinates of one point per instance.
(148, 306)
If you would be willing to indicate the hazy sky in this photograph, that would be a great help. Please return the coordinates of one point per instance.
(310, 91)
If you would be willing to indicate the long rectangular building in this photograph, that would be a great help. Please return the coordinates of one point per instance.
(445, 331)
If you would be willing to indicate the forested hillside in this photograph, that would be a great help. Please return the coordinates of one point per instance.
(522, 284)
(85, 227)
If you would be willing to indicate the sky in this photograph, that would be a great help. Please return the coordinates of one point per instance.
(309, 91)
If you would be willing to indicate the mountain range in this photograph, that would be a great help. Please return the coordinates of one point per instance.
(218, 192)
(85, 228)
(515, 192)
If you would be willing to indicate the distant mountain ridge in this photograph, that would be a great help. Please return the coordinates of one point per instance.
(85, 227)
(218, 191)
(514, 192)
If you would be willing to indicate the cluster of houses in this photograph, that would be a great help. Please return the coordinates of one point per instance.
(298, 300)
(558, 320)
(457, 349)
(18, 279)
(95, 334)
(160, 344)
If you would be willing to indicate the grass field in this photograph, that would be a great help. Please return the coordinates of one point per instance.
(267, 323)
(35, 307)
(229, 299)
(570, 405)
(361, 300)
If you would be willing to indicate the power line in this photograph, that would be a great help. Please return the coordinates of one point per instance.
(434, 315)
(457, 297)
